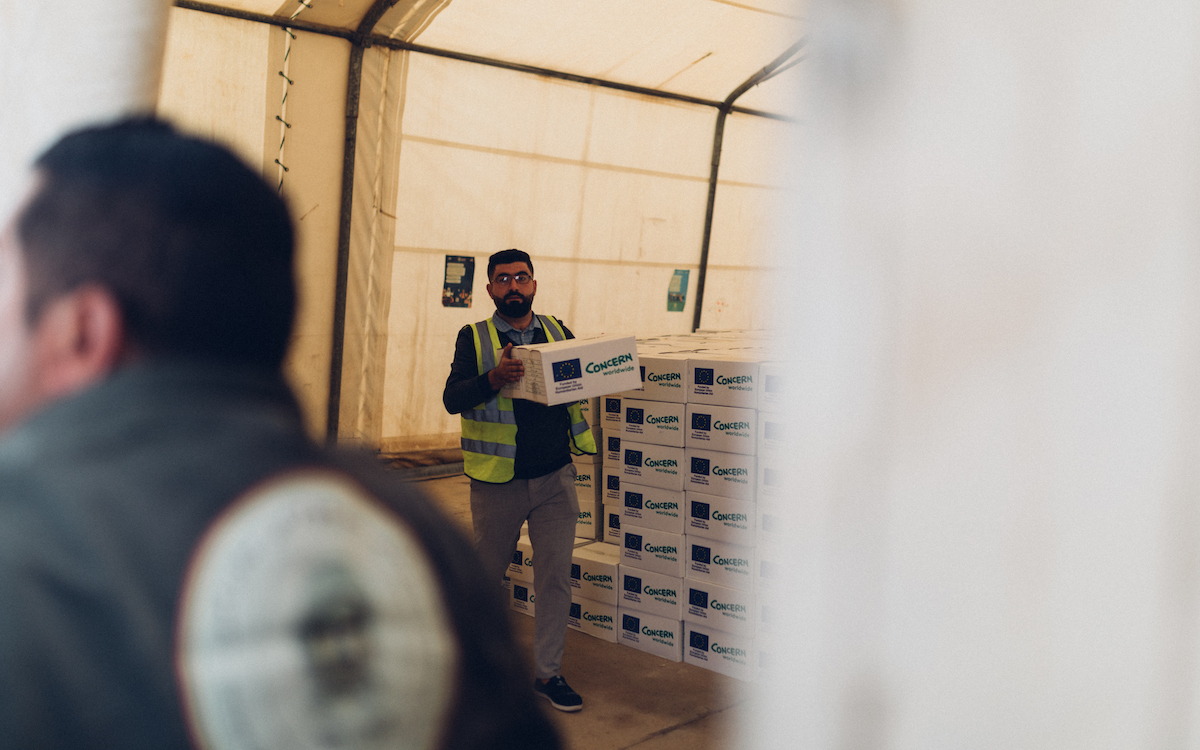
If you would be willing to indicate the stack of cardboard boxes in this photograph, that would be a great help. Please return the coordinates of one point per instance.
(680, 526)
(683, 467)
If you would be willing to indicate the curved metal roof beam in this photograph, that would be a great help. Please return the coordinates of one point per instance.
(773, 68)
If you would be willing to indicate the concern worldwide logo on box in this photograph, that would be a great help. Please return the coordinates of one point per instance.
(559, 372)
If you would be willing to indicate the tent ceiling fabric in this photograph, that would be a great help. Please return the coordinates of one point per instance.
(694, 47)
(700, 48)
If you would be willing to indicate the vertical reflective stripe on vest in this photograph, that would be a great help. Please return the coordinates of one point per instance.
(489, 431)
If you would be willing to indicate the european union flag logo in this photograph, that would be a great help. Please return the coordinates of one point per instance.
(702, 422)
(612, 405)
(520, 593)
(634, 584)
(633, 416)
(771, 477)
(634, 458)
(614, 482)
(633, 542)
(701, 554)
(773, 431)
(574, 572)
(700, 510)
(633, 499)
(614, 521)
(704, 376)
(614, 444)
(699, 465)
(774, 384)
(766, 569)
(568, 369)
(643, 369)
(517, 558)
(631, 623)
(769, 523)
(576, 610)
(699, 641)
(698, 598)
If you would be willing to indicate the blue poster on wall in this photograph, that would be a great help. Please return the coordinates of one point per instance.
(460, 278)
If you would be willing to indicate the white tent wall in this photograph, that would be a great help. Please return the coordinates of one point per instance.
(48, 88)
(606, 190)
(221, 80)
(214, 80)
(750, 194)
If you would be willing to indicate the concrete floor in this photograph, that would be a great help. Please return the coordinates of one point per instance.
(631, 699)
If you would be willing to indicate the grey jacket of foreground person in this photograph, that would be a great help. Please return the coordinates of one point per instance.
(181, 567)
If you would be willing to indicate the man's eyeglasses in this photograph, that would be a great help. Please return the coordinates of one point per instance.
(504, 279)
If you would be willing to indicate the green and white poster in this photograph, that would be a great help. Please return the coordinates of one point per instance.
(677, 291)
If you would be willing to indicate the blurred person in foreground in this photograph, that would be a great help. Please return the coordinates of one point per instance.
(179, 565)
(518, 456)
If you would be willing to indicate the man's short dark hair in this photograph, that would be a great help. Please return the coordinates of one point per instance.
(196, 248)
(511, 255)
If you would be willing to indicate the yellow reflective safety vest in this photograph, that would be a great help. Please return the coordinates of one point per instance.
(489, 431)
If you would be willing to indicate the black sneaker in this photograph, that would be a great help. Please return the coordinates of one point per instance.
(559, 693)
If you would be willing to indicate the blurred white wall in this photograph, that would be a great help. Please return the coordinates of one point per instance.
(995, 321)
(64, 64)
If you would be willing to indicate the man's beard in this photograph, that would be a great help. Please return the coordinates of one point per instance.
(514, 305)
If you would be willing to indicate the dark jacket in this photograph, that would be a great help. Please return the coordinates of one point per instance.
(104, 497)
(543, 432)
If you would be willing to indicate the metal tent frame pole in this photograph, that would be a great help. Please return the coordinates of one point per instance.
(775, 67)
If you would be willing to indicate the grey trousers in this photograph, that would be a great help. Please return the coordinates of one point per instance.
(552, 509)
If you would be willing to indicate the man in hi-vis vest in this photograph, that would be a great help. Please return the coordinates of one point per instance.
(518, 456)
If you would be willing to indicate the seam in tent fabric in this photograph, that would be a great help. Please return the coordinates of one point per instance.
(756, 9)
(585, 163)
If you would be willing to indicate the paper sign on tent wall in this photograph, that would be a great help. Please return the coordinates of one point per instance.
(677, 291)
(460, 277)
